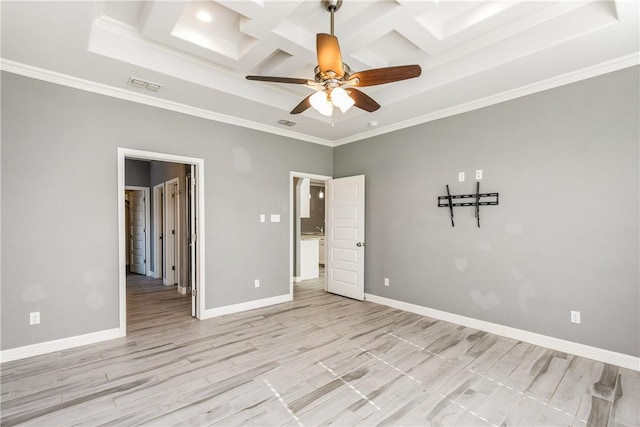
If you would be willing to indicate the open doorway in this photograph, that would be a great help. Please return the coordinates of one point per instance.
(174, 263)
(137, 226)
(307, 237)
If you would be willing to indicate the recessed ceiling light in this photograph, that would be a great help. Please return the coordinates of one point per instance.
(204, 16)
(373, 123)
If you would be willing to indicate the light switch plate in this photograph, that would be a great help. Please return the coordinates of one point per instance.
(275, 218)
(575, 316)
(34, 318)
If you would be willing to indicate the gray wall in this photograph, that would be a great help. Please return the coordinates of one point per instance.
(136, 172)
(564, 237)
(60, 247)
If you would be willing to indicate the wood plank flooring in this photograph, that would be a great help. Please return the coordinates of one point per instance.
(319, 360)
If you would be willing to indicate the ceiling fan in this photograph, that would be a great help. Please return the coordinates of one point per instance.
(334, 82)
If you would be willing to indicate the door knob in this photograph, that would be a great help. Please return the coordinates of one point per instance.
(359, 244)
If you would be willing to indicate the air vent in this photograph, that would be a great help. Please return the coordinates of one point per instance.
(284, 122)
(144, 84)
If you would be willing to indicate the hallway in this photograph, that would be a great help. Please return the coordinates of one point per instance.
(151, 304)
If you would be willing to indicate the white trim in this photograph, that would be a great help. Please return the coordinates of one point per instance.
(245, 306)
(599, 354)
(157, 230)
(140, 98)
(58, 345)
(610, 66)
(177, 243)
(131, 153)
(147, 222)
(553, 82)
(292, 218)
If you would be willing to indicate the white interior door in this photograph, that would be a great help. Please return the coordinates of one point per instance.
(192, 241)
(158, 221)
(345, 236)
(137, 231)
(170, 234)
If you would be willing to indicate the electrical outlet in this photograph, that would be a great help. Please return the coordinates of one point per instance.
(256, 283)
(575, 316)
(460, 176)
(478, 174)
(262, 218)
(386, 281)
(34, 318)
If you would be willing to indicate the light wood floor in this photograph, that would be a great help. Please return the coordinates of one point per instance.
(319, 360)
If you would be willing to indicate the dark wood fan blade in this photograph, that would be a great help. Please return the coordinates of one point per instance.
(329, 57)
(278, 79)
(304, 104)
(379, 76)
(362, 100)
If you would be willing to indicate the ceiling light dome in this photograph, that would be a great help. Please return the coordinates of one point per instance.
(204, 16)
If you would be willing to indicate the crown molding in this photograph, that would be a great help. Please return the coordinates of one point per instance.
(114, 92)
(564, 79)
(102, 89)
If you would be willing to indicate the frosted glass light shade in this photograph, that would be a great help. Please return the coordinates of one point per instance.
(320, 102)
(341, 99)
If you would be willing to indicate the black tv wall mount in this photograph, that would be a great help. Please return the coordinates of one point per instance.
(490, 199)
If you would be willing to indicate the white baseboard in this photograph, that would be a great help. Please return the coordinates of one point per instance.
(244, 306)
(58, 345)
(182, 290)
(602, 355)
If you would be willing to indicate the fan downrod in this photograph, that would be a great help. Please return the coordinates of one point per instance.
(332, 6)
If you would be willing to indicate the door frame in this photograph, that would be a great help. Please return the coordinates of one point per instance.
(147, 221)
(158, 206)
(172, 211)
(130, 153)
(292, 218)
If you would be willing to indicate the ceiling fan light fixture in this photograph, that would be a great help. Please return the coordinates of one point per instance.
(341, 99)
(321, 103)
(331, 74)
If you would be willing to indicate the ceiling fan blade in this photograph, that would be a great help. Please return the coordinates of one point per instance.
(380, 76)
(362, 100)
(279, 79)
(304, 104)
(329, 57)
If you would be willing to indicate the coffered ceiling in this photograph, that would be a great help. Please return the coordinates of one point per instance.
(472, 54)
